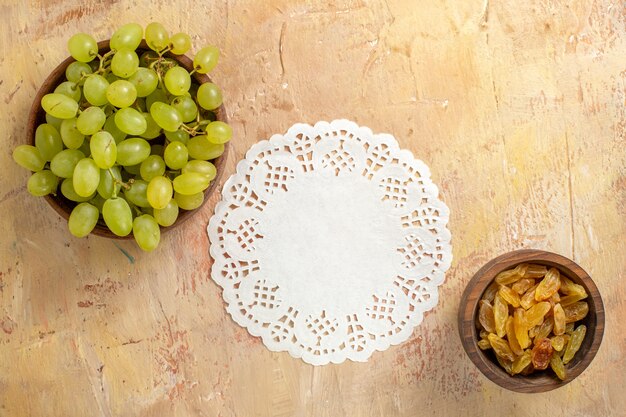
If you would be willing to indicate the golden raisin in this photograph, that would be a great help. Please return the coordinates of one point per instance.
(485, 316)
(571, 299)
(570, 288)
(521, 331)
(541, 353)
(554, 299)
(534, 315)
(528, 299)
(505, 363)
(484, 344)
(508, 277)
(509, 295)
(549, 285)
(569, 328)
(511, 338)
(558, 342)
(544, 329)
(557, 366)
(523, 285)
(501, 347)
(521, 363)
(535, 271)
(576, 311)
(500, 313)
(491, 291)
(574, 343)
(559, 319)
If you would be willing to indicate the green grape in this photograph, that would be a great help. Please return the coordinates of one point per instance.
(95, 90)
(167, 215)
(140, 104)
(132, 151)
(48, 141)
(85, 149)
(59, 105)
(110, 182)
(76, 70)
(83, 219)
(152, 166)
(152, 129)
(64, 163)
(209, 96)
(130, 121)
(136, 194)
(177, 81)
(86, 177)
(127, 36)
(199, 147)
(176, 155)
(145, 81)
(42, 183)
(70, 89)
(177, 136)
(218, 132)
(82, 47)
(148, 58)
(157, 149)
(180, 43)
(103, 149)
(111, 78)
(201, 167)
(124, 63)
(67, 189)
(166, 116)
(29, 157)
(146, 232)
(157, 37)
(190, 183)
(71, 136)
(132, 170)
(159, 192)
(189, 202)
(121, 93)
(54, 121)
(90, 120)
(206, 59)
(94, 65)
(112, 128)
(186, 107)
(97, 201)
(157, 95)
(117, 216)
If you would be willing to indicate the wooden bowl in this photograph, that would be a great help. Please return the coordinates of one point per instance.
(64, 206)
(539, 381)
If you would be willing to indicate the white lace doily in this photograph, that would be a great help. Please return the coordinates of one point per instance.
(330, 242)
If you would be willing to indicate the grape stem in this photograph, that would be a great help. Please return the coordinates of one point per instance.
(102, 67)
(124, 185)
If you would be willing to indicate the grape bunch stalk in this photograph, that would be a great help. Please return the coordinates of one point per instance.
(95, 147)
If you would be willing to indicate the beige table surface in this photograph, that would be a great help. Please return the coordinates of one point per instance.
(518, 107)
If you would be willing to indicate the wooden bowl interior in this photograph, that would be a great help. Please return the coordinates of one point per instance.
(486, 361)
(62, 205)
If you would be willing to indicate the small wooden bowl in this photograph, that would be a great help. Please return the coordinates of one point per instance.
(539, 381)
(37, 115)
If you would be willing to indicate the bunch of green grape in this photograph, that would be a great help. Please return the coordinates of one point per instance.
(129, 135)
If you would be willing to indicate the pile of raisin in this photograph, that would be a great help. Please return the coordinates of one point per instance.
(528, 317)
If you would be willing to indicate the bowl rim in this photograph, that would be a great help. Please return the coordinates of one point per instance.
(468, 307)
(36, 116)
